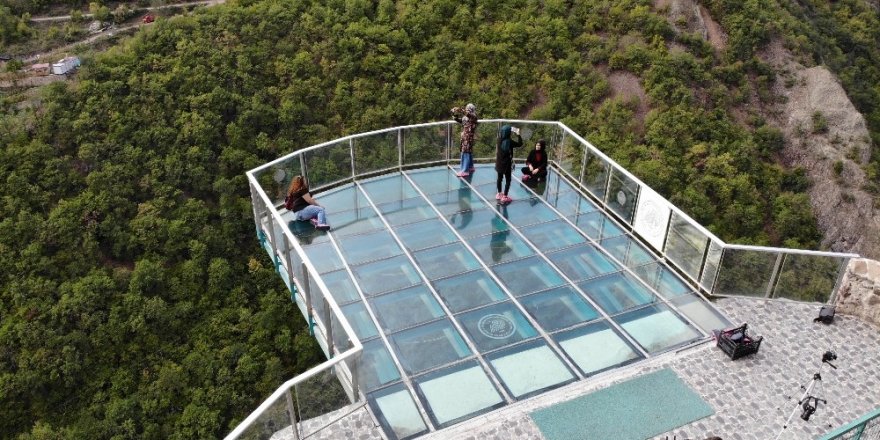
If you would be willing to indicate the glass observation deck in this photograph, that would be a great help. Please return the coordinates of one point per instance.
(436, 304)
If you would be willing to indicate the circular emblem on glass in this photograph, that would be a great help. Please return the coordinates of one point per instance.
(621, 198)
(496, 326)
(653, 217)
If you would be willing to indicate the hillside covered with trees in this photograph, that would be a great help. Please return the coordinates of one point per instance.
(135, 301)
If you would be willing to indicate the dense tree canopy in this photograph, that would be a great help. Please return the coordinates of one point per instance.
(135, 300)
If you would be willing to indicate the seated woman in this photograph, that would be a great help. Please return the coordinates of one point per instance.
(536, 163)
(304, 207)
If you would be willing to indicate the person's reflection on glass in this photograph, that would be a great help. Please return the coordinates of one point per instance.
(303, 234)
(464, 205)
(500, 233)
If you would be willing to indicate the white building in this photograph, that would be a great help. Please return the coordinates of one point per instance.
(65, 65)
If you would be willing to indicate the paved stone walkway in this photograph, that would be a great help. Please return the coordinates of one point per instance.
(751, 396)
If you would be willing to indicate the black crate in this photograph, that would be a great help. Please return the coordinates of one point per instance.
(737, 343)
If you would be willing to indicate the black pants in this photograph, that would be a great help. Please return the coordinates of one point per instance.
(502, 174)
(540, 175)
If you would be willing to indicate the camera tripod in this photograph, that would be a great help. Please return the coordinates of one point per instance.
(809, 402)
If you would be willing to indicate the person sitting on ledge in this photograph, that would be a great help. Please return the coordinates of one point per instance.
(536, 163)
(304, 207)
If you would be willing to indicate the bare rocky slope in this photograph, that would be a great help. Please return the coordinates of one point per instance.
(848, 216)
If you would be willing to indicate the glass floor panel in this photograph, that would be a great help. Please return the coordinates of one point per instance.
(521, 213)
(429, 210)
(458, 393)
(369, 247)
(406, 308)
(517, 192)
(596, 225)
(406, 211)
(388, 189)
(436, 180)
(500, 247)
(429, 346)
(553, 235)
(548, 371)
(397, 412)
(656, 328)
(386, 275)
(324, 257)
(701, 313)
(425, 234)
(496, 326)
(662, 279)
(341, 199)
(446, 260)
(527, 276)
(376, 368)
(570, 203)
(340, 286)
(360, 321)
(582, 262)
(559, 308)
(460, 200)
(354, 222)
(617, 292)
(464, 292)
(596, 347)
(476, 222)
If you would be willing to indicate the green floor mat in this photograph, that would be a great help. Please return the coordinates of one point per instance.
(633, 410)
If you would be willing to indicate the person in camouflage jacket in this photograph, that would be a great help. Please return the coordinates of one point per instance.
(467, 117)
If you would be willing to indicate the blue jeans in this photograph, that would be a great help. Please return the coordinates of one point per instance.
(467, 161)
(310, 212)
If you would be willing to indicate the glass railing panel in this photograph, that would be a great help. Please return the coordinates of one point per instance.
(710, 267)
(808, 277)
(623, 194)
(686, 245)
(376, 152)
(275, 420)
(320, 400)
(346, 198)
(569, 155)
(424, 144)
(436, 180)
(276, 178)
(530, 133)
(745, 272)
(484, 142)
(595, 175)
(328, 164)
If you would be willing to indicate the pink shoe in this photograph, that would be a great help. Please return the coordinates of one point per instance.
(471, 170)
(462, 174)
(314, 222)
(499, 196)
(505, 200)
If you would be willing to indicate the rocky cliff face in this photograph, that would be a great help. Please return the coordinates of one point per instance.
(859, 291)
(827, 136)
(824, 134)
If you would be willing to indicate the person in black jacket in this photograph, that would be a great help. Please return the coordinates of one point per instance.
(536, 163)
(507, 141)
(305, 208)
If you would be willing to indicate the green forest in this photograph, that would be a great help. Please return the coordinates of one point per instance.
(136, 302)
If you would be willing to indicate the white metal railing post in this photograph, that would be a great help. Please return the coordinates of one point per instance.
(400, 149)
(307, 291)
(291, 412)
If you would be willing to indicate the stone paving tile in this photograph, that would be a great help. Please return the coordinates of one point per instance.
(752, 396)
